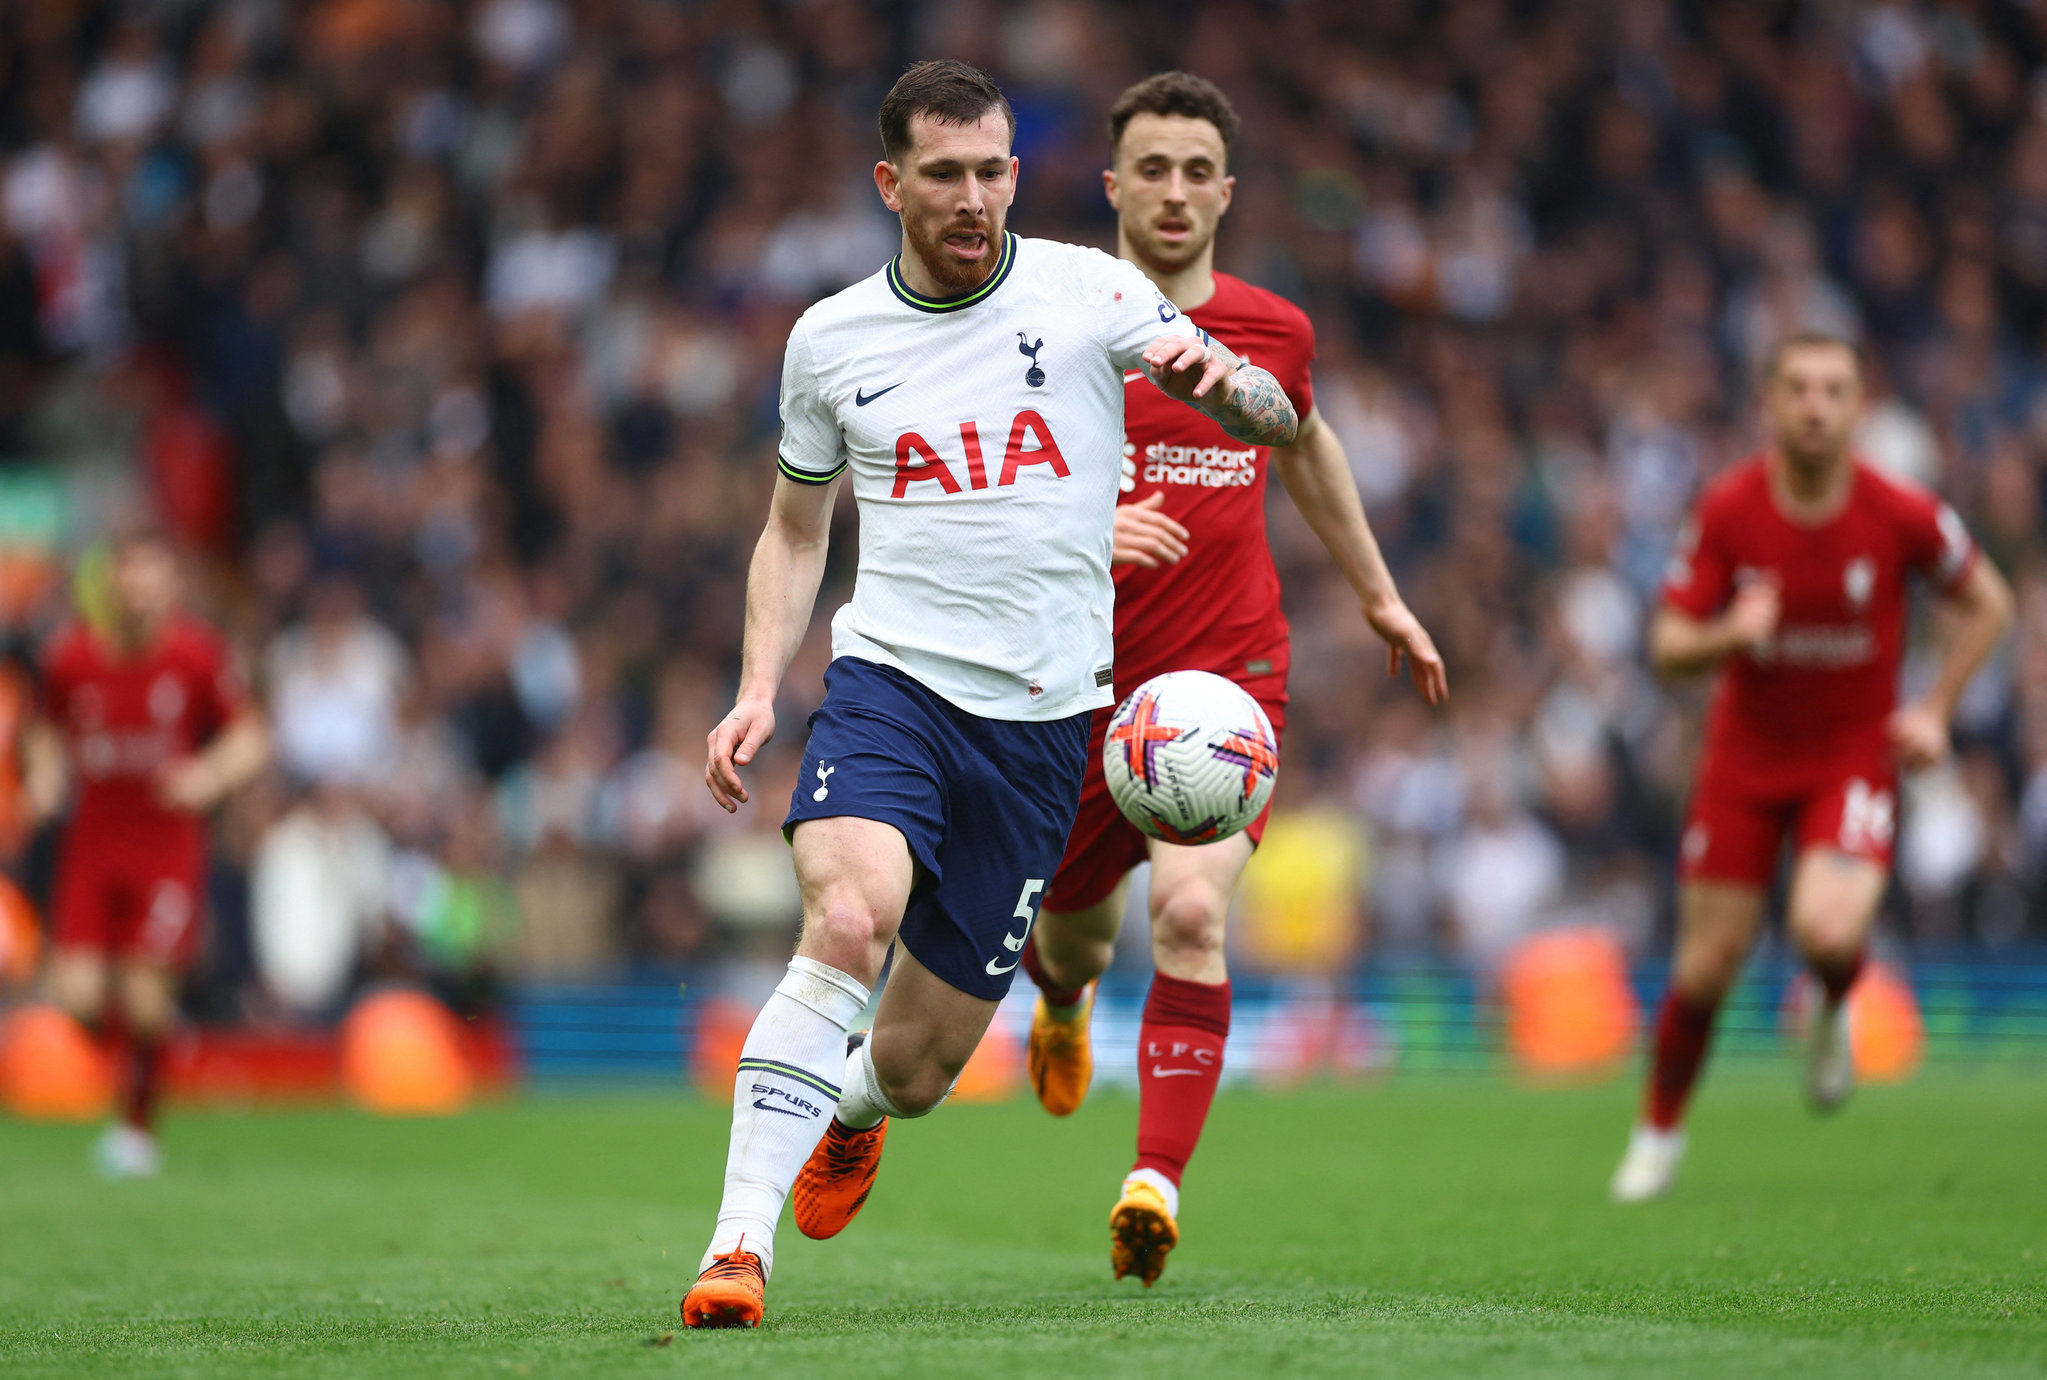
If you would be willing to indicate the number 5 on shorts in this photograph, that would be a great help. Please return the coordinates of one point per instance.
(1025, 912)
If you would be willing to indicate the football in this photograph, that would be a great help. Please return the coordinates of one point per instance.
(1190, 757)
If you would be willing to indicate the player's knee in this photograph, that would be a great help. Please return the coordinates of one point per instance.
(919, 1087)
(846, 930)
(1188, 921)
(1826, 939)
(148, 1004)
(922, 1093)
(1705, 972)
(78, 990)
(1074, 960)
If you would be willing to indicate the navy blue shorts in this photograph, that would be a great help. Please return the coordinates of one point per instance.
(985, 804)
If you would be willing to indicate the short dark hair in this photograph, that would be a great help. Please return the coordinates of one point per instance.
(949, 91)
(1811, 339)
(1174, 93)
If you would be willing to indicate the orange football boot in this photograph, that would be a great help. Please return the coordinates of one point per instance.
(731, 1292)
(837, 1178)
(1141, 1231)
(1062, 1056)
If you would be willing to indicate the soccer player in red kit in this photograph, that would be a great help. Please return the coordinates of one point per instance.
(1791, 578)
(149, 720)
(1195, 590)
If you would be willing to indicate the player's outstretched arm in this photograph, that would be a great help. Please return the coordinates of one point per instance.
(1246, 401)
(1317, 476)
(781, 590)
(1978, 612)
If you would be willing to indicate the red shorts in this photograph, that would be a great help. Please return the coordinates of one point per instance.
(1104, 846)
(129, 902)
(1745, 800)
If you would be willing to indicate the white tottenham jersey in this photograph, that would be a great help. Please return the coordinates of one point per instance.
(985, 438)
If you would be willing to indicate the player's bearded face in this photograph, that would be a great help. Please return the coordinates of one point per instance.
(145, 584)
(952, 190)
(1814, 402)
(1169, 187)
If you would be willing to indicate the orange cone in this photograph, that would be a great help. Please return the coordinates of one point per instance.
(722, 1024)
(1570, 1011)
(1884, 1023)
(50, 1069)
(20, 938)
(401, 1055)
(994, 1073)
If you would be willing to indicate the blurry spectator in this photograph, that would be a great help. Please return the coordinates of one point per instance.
(742, 877)
(318, 887)
(568, 903)
(1503, 875)
(456, 908)
(1413, 793)
(1299, 911)
(335, 683)
(1946, 840)
(130, 91)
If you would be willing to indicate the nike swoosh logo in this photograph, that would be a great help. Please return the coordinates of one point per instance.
(861, 399)
(762, 1104)
(994, 971)
(1156, 1072)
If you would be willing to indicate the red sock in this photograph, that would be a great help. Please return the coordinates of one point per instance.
(1179, 1063)
(1054, 995)
(1683, 1031)
(110, 1033)
(141, 1070)
(1836, 978)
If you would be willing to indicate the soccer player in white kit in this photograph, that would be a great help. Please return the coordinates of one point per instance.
(973, 389)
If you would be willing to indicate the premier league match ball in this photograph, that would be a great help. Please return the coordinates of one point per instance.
(1190, 757)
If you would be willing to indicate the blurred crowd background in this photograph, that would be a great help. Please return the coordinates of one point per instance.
(448, 336)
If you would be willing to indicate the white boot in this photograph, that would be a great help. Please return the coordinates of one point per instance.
(1830, 1058)
(1650, 1166)
(123, 1152)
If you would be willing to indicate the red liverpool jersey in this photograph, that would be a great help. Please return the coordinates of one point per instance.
(1830, 674)
(1217, 609)
(123, 719)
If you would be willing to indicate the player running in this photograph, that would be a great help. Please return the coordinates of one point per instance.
(148, 717)
(974, 390)
(1195, 590)
(1791, 576)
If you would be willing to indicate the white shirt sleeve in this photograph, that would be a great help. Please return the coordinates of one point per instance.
(1134, 313)
(813, 449)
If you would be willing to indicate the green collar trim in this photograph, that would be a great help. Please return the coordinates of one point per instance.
(979, 294)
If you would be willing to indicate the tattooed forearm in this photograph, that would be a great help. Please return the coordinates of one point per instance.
(1257, 409)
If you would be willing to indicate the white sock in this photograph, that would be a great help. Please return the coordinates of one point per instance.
(1168, 1190)
(862, 1101)
(782, 1100)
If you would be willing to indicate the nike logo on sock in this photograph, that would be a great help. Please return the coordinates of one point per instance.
(861, 399)
(1158, 1072)
(789, 1104)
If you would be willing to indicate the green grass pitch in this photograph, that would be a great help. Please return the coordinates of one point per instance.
(1448, 1226)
